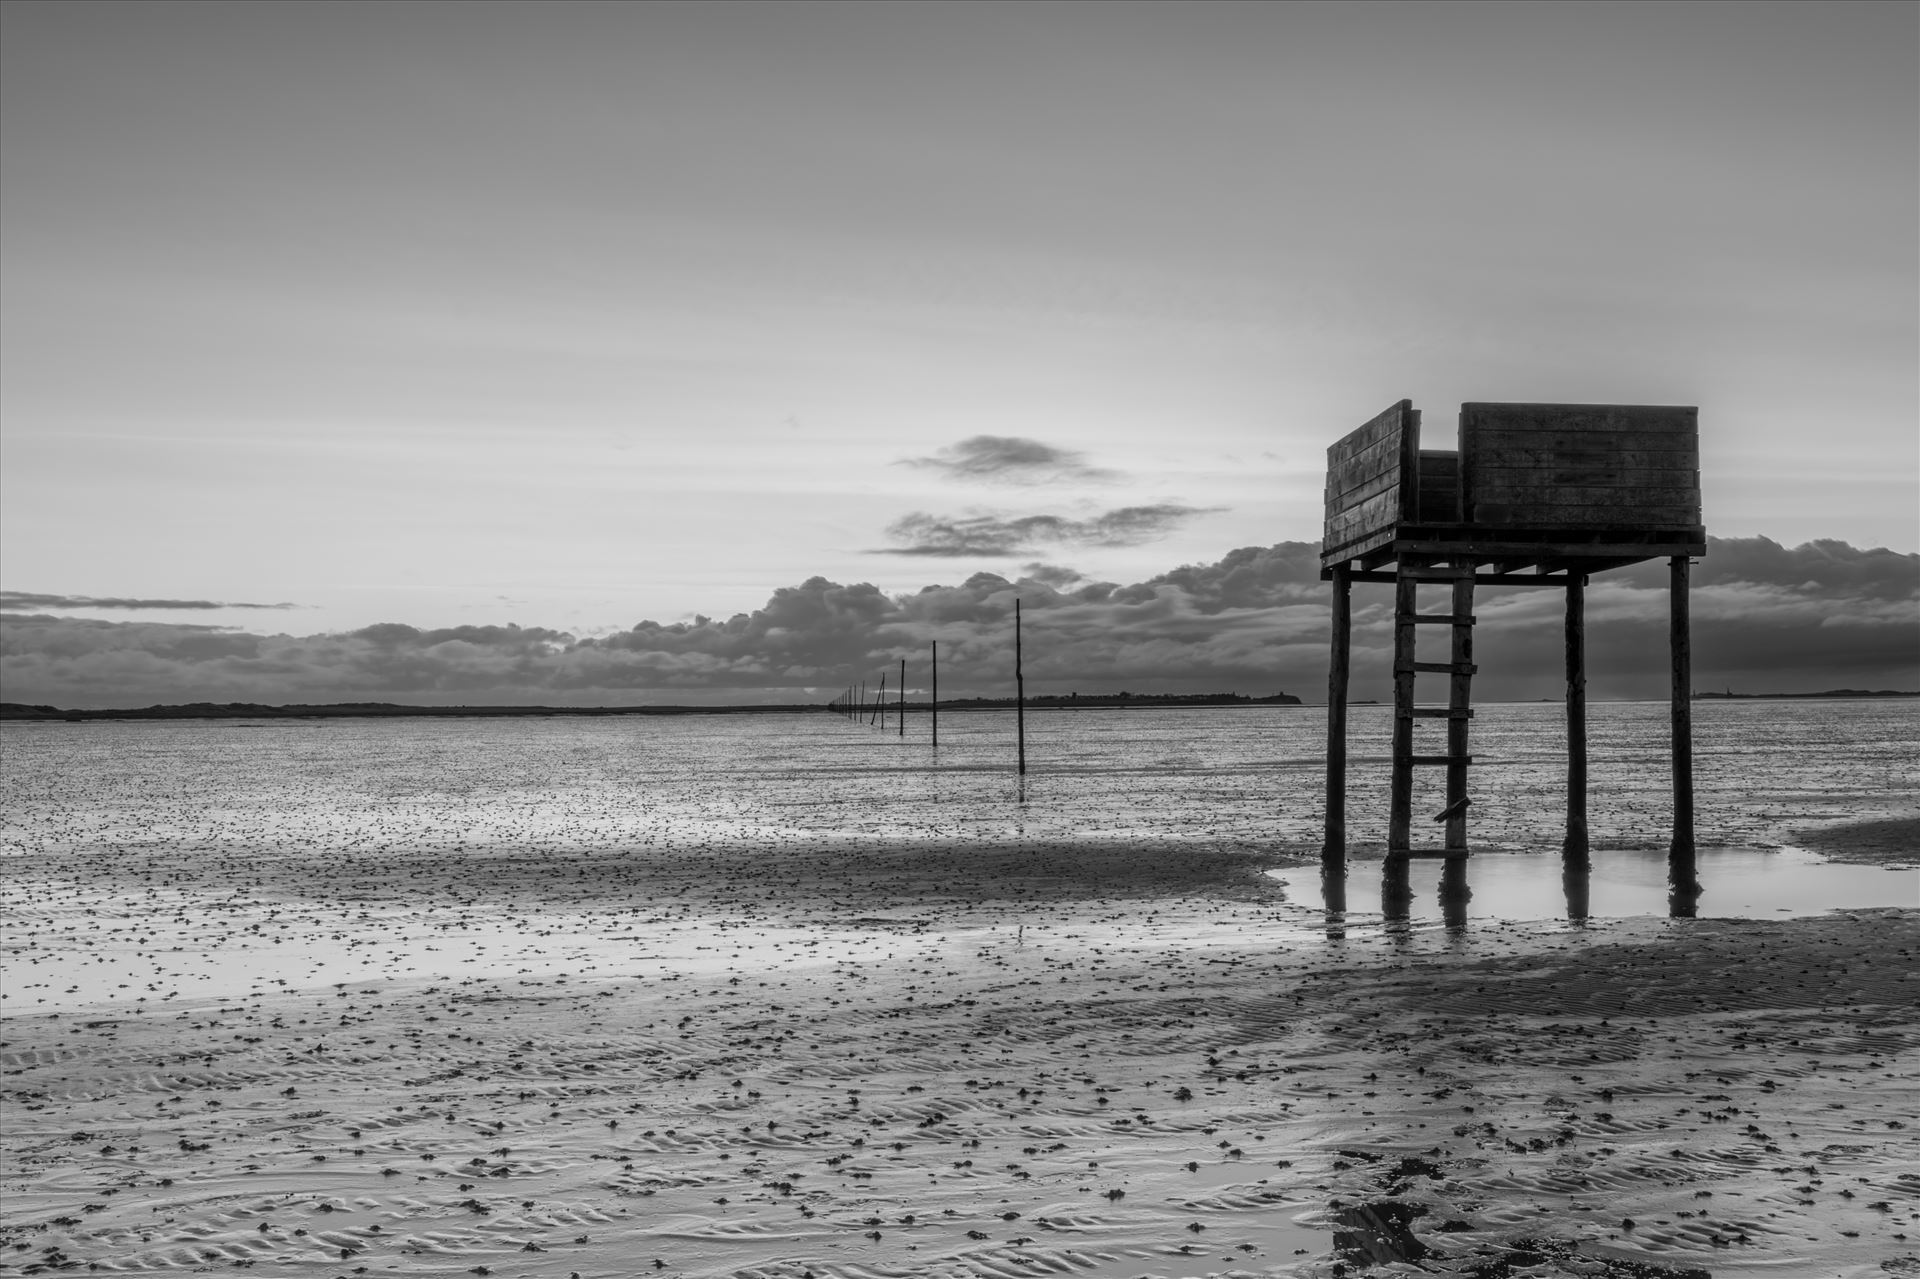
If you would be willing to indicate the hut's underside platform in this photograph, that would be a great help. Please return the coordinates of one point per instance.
(1515, 555)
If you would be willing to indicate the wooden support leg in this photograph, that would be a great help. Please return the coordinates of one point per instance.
(1454, 892)
(1683, 878)
(1333, 851)
(1574, 851)
(1395, 894)
(1459, 702)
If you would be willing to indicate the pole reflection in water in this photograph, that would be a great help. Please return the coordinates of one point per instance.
(1333, 892)
(1683, 882)
(1454, 893)
(1396, 893)
(1333, 882)
(1576, 875)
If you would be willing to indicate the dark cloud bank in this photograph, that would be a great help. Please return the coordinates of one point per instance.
(1767, 618)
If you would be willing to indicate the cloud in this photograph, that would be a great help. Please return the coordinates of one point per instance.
(1000, 535)
(1820, 569)
(1057, 576)
(1765, 618)
(22, 601)
(1009, 459)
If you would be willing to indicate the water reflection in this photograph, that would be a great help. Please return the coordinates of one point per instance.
(1396, 887)
(1576, 883)
(1454, 892)
(1333, 893)
(1333, 880)
(1683, 882)
(1746, 883)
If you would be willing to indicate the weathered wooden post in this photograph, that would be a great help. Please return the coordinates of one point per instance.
(880, 705)
(902, 713)
(933, 701)
(1019, 692)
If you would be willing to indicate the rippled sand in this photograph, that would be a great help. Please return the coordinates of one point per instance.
(613, 1054)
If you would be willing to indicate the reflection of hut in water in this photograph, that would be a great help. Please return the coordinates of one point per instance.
(1538, 494)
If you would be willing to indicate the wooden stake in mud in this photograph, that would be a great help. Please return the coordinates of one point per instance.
(880, 704)
(1019, 692)
(902, 713)
(933, 702)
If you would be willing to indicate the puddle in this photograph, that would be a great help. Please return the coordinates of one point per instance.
(1737, 883)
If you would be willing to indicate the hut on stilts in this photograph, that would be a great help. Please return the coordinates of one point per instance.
(1537, 494)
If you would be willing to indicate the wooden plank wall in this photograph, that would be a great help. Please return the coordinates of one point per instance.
(1439, 487)
(1621, 466)
(1370, 479)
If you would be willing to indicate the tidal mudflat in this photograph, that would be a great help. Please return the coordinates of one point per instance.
(770, 997)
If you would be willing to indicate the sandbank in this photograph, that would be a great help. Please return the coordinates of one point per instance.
(1102, 1059)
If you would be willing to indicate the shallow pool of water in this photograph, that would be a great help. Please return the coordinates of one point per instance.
(1736, 883)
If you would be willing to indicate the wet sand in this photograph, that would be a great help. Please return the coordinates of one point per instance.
(1107, 1059)
(1880, 841)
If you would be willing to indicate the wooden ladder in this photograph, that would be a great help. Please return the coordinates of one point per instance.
(1457, 712)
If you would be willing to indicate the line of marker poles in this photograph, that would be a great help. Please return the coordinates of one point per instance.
(854, 705)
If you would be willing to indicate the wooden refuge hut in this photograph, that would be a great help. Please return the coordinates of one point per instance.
(1537, 494)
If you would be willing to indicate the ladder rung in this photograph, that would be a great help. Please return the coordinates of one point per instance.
(1439, 619)
(1440, 668)
(1435, 573)
(1438, 712)
(1437, 760)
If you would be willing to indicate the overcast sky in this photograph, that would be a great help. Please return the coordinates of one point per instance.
(573, 316)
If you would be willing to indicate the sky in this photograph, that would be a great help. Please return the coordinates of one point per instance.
(452, 352)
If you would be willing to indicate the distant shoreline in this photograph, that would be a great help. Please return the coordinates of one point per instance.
(1832, 692)
(396, 710)
(15, 711)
